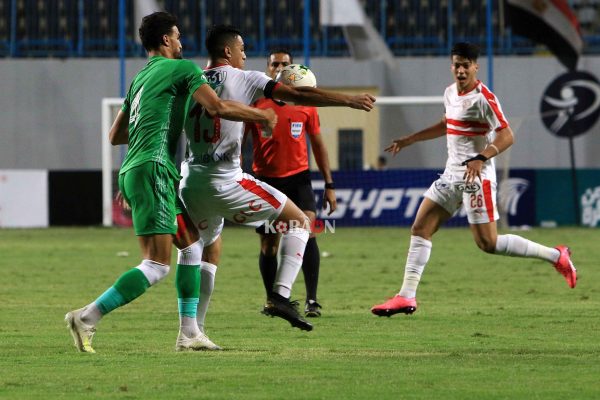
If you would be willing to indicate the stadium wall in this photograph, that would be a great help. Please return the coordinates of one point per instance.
(50, 109)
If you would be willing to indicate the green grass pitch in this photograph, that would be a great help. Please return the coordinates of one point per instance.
(487, 327)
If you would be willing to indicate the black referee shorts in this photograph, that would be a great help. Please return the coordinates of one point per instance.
(297, 188)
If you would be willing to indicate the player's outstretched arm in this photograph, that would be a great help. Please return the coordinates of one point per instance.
(232, 110)
(309, 96)
(119, 131)
(432, 132)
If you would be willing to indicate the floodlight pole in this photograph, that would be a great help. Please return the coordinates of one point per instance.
(490, 44)
(574, 184)
(122, 59)
(13, 28)
(306, 31)
(122, 47)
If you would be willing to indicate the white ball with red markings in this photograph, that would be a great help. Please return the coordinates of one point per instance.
(297, 75)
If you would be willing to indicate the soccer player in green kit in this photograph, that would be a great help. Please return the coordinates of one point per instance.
(151, 122)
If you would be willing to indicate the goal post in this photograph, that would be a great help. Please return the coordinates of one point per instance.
(408, 100)
(110, 107)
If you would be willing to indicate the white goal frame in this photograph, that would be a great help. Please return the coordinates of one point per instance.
(107, 119)
(107, 171)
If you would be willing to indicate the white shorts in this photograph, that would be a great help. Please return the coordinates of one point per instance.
(244, 200)
(478, 198)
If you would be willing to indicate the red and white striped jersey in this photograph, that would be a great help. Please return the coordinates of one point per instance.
(215, 144)
(471, 122)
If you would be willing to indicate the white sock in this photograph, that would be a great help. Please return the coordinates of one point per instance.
(292, 246)
(188, 326)
(91, 314)
(516, 246)
(153, 271)
(418, 255)
(191, 255)
(207, 284)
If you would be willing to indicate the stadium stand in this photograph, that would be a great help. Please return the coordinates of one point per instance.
(83, 28)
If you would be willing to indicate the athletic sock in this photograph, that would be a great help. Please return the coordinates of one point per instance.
(418, 255)
(207, 284)
(516, 246)
(187, 282)
(127, 288)
(268, 271)
(310, 268)
(293, 243)
(91, 314)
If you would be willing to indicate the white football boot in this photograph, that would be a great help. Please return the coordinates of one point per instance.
(82, 333)
(198, 342)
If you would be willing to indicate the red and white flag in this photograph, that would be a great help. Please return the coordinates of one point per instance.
(549, 22)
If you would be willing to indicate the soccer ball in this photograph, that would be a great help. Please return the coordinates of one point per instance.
(297, 75)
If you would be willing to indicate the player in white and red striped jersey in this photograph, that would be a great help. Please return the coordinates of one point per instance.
(476, 130)
(214, 186)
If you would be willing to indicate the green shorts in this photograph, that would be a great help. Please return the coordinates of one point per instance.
(150, 190)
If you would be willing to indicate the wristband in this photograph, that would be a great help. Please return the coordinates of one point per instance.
(479, 157)
(329, 185)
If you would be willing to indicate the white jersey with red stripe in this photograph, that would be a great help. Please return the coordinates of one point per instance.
(214, 144)
(214, 186)
(471, 122)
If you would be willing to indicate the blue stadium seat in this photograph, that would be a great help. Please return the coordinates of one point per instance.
(59, 28)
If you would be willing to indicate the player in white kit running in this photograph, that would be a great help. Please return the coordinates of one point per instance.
(476, 130)
(214, 186)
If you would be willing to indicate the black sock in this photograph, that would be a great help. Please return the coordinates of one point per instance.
(268, 271)
(310, 268)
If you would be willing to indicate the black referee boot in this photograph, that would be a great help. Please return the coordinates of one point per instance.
(312, 309)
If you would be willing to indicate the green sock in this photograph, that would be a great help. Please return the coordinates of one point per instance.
(128, 287)
(187, 282)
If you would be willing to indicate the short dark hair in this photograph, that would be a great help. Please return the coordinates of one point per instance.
(154, 26)
(469, 51)
(283, 51)
(220, 36)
